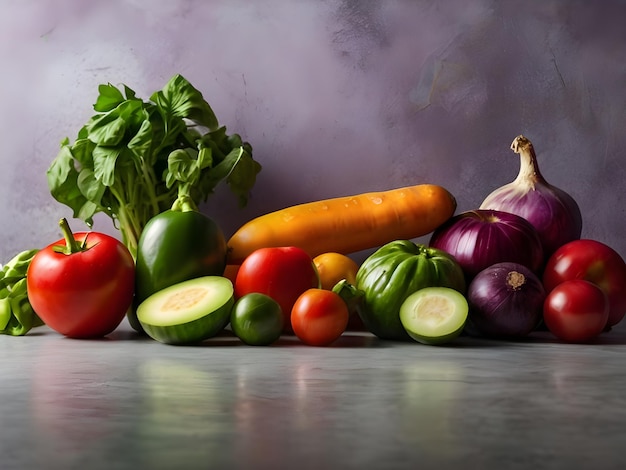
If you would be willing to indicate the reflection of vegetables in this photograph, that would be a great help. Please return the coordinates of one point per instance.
(553, 212)
(480, 238)
(392, 273)
(347, 224)
(82, 285)
(506, 299)
(17, 316)
(118, 164)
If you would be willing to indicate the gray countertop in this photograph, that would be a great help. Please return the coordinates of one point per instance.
(130, 402)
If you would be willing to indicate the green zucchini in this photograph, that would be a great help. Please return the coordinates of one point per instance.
(188, 312)
(434, 315)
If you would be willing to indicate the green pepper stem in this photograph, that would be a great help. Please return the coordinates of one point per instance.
(184, 202)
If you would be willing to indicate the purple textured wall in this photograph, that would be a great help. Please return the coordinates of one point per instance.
(336, 97)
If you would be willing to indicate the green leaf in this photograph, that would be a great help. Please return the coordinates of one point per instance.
(82, 152)
(90, 187)
(205, 158)
(62, 179)
(104, 161)
(107, 129)
(141, 142)
(109, 98)
(186, 166)
(238, 169)
(130, 93)
(243, 176)
(179, 98)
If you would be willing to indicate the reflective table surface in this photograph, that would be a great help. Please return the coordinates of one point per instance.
(130, 402)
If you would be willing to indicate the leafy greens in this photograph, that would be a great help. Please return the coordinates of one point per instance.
(130, 157)
(17, 317)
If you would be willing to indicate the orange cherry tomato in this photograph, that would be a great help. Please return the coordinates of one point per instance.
(334, 267)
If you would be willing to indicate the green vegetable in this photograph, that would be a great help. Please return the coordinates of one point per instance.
(180, 243)
(17, 317)
(434, 315)
(257, 319)
(188, 312)
(392, 273)
(125, 158)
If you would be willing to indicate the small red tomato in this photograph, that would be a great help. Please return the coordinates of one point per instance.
(282, 273)
(81, 286)
(576, 311)
(319, 317)
(595, 262)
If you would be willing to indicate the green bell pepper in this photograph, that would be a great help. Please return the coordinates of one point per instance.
(175, 246)
(17, 317)
(395, 271)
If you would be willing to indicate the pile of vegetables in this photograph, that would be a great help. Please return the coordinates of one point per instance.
(506, 269)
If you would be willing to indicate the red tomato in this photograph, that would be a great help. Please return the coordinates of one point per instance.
(83, 294)
(595, 262)
(576, 311)
(282, 273)
(319, 317)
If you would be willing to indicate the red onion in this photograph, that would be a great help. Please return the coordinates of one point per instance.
(505, 299)
(553, 212)
(480, 238)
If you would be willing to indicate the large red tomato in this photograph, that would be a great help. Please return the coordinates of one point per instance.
(319, 317)
(576, 311)
(282, 273)
(593, 261)
(82, 286)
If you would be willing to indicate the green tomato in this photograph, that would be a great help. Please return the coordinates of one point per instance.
(257, 319)
(176, 246)
(394, 272)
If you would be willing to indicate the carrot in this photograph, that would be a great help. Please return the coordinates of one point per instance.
(347, 224)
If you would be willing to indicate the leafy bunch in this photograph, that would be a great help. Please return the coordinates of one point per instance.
(134, 158)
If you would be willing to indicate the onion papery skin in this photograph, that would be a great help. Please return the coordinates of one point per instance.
(552, 211)
(505, 300)
(483, 237)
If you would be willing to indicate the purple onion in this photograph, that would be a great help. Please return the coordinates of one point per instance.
(553, 212)
(505, 299)
(480, 238)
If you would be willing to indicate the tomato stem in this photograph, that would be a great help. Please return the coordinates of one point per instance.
(71, 244)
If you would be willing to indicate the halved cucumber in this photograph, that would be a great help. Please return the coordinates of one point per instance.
(434, 315)
(188, 312)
